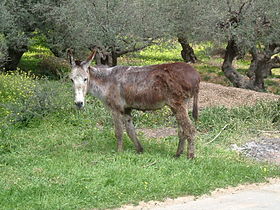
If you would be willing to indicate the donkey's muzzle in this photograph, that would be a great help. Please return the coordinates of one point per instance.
(79, 104)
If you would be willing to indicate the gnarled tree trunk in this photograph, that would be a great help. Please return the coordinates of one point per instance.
(237, 79)
(14, 56)
(261, 65)
(108, 59)
(187, 52)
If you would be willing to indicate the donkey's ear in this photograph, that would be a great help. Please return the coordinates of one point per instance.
(88, 61)
(70, 56)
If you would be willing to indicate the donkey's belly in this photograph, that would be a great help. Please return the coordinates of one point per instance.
(146, 107)
(145, 101)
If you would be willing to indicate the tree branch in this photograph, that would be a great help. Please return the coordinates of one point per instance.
(133, 49)
(147, 42)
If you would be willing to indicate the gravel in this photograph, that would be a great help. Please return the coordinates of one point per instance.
(262, 150)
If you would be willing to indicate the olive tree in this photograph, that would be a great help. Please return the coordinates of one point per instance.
(247, 26)
(115, 26)
(184, 21)
(17, 24)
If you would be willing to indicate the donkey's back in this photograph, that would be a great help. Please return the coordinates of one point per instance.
(151, 87)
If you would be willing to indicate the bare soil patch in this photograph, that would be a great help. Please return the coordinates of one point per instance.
(218, 95)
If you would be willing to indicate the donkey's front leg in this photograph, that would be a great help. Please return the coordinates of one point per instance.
(118, 123)
(131, 132)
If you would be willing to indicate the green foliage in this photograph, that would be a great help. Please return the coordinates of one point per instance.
(53, 67)
(112, 24)
(3, 49)
(17, 24)
(24, 97)
(15, 87)
(249, 23)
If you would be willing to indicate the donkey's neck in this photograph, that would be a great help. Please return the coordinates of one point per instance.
(100, 72)
(99, 82)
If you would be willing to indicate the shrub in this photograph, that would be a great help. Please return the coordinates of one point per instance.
(23, 97)
(53, 67)
(15, 87)
(3, 50)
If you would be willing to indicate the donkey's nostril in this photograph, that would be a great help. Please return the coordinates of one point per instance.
(79, 104)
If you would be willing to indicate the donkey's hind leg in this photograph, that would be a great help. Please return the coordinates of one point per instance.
(131, 132)
(185, 130)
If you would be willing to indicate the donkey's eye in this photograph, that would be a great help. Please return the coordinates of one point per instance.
(72, 80)
(85, 79)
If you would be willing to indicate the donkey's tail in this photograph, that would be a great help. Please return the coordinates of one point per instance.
(195, 107)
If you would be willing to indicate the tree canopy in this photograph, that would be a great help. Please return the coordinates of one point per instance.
(117, 26)
(122, 26)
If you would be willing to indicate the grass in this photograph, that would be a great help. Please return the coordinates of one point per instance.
(68, 159)
(63, 158)
(72, 164)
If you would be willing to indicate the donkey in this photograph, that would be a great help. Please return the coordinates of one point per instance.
(123, 88)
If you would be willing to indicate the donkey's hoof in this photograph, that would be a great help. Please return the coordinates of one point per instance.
(177, 155)
(191, 156)
(140, 150)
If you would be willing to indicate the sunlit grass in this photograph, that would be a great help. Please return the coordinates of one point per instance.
(276, 72)
(155, 54)
(31, 58)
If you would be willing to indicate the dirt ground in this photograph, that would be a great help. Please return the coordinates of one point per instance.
(218, 95)
(248, 196)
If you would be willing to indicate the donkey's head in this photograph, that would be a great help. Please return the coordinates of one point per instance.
(80, 77)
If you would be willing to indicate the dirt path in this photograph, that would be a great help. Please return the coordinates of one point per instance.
(253, 196)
